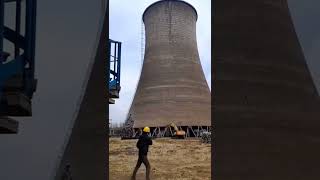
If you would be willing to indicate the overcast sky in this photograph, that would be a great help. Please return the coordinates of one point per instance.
(125, 26)
(306, 15)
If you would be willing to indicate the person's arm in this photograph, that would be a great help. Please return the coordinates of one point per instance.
(150, 141)
(138, 143)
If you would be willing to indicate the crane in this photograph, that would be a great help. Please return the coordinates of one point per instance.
(178, 133)
(17, 82)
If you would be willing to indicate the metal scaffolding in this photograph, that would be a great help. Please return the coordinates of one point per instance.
(129, 131)
(17, 82)
(114, 51)
(159, 132)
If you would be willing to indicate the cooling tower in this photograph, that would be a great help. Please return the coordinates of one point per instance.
(172, 86)
(266, 104)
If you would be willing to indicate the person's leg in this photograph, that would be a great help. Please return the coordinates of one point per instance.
(139, 162)
(148, 167)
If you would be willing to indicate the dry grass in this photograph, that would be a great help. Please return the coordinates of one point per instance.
(169, 159)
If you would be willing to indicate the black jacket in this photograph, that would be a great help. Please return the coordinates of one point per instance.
(143, 144)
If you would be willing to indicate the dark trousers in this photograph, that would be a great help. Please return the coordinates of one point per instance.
(142, 159)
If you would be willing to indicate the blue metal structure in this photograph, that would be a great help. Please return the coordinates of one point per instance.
(114, 51)
(17, 69)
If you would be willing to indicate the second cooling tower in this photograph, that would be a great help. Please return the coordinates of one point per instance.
(172, 86)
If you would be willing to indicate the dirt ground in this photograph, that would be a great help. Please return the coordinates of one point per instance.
(170, 159)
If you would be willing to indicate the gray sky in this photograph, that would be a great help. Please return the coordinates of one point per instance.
(306, 16)
(125, 26)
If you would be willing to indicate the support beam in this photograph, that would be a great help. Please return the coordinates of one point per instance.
(171, 134)
(198, 132)
(8, 126)
(1, 26)
(153, 132)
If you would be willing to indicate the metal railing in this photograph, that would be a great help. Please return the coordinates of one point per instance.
(17, 66)
(114, 50)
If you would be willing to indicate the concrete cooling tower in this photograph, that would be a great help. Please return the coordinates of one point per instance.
(266, 105)
(172, 86)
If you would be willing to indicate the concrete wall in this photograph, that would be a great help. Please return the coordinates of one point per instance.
(66, 47)
(86, 151)
(266, 105)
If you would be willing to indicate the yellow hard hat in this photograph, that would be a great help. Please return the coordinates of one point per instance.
(146, 129)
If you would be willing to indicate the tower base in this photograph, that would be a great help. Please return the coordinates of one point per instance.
(160, 132)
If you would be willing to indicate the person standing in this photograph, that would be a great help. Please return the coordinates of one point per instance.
(143, 145)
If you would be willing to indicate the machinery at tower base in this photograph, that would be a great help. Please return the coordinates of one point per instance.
(172, 87)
